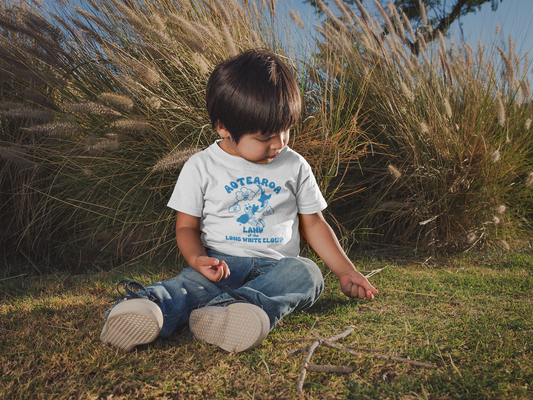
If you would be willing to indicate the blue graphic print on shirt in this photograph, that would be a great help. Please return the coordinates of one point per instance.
(253, 205)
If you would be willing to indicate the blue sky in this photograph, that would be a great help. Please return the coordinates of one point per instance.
(513, 16)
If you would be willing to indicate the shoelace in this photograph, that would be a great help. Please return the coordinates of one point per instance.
(239, 297)
(130, 293)
(156, 299)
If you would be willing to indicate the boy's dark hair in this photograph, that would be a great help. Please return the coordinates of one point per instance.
(253, 92)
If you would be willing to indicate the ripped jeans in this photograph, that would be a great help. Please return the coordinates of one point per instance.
(279, 287)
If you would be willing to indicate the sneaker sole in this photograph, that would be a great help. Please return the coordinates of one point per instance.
(128, 328)
(239, 327)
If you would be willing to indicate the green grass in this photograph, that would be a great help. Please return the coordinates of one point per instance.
(470, 315)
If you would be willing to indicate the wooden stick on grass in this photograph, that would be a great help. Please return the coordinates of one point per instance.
(306, 363)
(307, 366)
(380, 356)
(303, 369)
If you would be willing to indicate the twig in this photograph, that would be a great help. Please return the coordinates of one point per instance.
(380, 356)
(306, 348)
(341, 335)
(312, 347)
(303, 369)
(330, 368)
(375, 272)
(307, 366)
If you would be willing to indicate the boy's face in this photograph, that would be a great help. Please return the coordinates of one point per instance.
(254, 147)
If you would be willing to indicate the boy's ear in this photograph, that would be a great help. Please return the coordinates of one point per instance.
(222, 130)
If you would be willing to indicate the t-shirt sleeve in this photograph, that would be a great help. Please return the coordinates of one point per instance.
(308, 197)
(188, 196)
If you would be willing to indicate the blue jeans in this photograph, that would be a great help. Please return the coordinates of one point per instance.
(279, 287)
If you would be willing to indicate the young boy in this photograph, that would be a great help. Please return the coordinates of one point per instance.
(241, 205)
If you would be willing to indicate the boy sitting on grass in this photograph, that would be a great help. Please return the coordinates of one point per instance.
(241, 205)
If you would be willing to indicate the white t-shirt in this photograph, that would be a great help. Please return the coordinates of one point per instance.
(248, 209)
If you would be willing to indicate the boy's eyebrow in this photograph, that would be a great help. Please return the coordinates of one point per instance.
(269, 136)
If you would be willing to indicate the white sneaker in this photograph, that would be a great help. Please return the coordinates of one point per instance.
(237, 327)
(132, 322)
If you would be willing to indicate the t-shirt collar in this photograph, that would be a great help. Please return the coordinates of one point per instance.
(228, 158)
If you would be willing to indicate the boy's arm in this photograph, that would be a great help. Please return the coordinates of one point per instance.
(322, 239)
(192, 249)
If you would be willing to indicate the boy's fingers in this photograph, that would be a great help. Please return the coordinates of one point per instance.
(371, 288)
(226, 270)
(361, 293)
(369, 295)
(222, 270)
(347, 289)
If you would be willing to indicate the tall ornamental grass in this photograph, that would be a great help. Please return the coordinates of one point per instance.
(451, 162)
(101, 104)
(417, 143)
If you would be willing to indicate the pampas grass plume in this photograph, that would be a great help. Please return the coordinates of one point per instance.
(500, 110)
(495, 220)
(407, 92)
(386, 18)
(175, 160)
(397, 20)
(495, 157)
(131, 125)
(442, 42)
(153, 102)
(509, 68)
(56, 129)
(504, 245)
(423, 128)
(471, 237)
(105, 144)
(150, 75)
(448, 108)
(394, 172)
(529, 178)
(91, 108)
(295, 15)
(527, 125)
(116, 100)
(201, 63)
(29, 114)
(501, 209)
(408, 26)
(230, 43)
(423, 14)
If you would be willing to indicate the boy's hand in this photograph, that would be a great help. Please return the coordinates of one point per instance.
(357, 286)
(212, 268)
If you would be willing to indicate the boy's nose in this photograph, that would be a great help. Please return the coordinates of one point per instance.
(277, 143)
